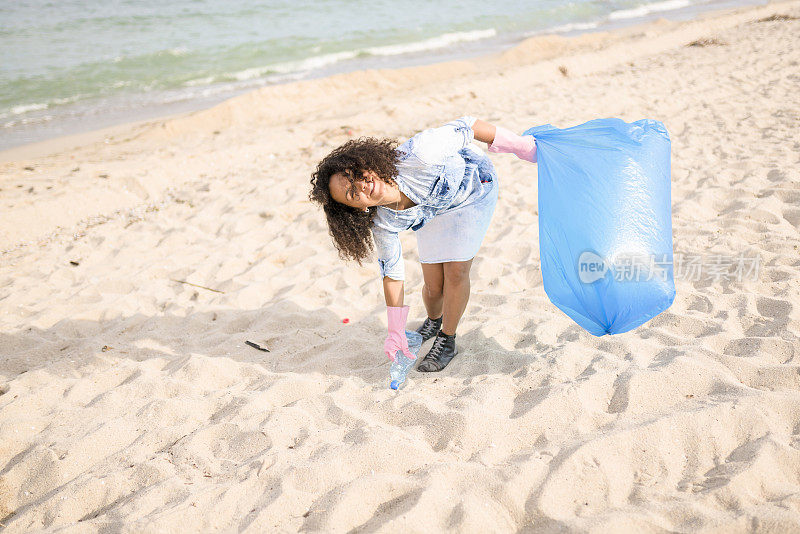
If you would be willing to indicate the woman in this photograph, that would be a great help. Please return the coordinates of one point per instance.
(438, 184)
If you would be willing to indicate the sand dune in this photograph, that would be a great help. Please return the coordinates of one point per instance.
(135, 270)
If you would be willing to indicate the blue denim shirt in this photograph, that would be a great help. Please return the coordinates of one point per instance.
(438, 169)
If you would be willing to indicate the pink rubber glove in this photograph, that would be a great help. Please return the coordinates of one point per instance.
(396, 340)
(508, 142)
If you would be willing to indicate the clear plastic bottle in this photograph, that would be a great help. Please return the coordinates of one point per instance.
(402, 364)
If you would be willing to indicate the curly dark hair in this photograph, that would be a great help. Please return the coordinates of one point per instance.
(348, 226)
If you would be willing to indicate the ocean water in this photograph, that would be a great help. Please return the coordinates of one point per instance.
(73, 65)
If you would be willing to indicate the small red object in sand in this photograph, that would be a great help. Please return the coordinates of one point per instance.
(345, 320)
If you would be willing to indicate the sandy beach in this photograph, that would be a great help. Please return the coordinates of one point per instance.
(136, 262)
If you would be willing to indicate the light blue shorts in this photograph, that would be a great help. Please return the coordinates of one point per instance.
(456, 234)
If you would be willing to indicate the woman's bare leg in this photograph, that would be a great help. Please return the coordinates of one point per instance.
(456, 293)
(433, 288)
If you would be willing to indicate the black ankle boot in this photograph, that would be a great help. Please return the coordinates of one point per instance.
(443, 350)
(429, 328)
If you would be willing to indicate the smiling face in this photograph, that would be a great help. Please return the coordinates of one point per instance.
(363, 193)
(349, 204)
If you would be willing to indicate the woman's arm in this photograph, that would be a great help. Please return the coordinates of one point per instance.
(502, 140)
(390, 262)
(484, 131)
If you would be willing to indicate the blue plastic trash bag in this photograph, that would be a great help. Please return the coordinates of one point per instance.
(605, 221)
